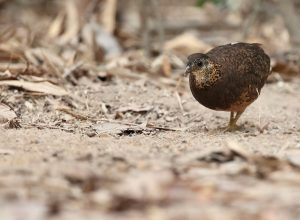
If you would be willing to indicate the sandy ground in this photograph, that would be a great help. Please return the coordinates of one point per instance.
(64, 166)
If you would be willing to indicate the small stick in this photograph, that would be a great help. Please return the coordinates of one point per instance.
(179, 101)
(47, 126)
(74, 114)
(82, 117)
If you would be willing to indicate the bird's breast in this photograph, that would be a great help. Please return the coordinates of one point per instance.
(207, 95)
(224, 95)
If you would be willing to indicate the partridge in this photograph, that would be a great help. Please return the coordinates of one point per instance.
(228, 77)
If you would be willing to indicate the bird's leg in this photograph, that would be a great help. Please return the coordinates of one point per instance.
(232, 125)
(237, 116)
(233, 119)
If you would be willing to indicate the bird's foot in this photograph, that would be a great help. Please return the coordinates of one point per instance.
(231, 128)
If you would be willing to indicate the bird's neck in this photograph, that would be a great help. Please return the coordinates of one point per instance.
(197, 79)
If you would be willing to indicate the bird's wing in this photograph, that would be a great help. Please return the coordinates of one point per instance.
(241, 58)
(244, 63)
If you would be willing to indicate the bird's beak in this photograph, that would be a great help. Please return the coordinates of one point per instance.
(188, 70)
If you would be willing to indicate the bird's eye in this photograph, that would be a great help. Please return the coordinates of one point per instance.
(199, 63)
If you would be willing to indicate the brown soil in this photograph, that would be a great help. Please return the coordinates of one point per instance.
(149, 159)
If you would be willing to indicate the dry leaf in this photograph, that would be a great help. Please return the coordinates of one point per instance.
(166, 67)
(16, 68)
(6, 114)
(56, 26)
(36, 55)
(5, 75)
(117, 129)
(162, 65)
(286, 64)
(186, 44)
(43, 87)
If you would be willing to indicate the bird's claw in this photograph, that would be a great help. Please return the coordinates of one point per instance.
(231, 128)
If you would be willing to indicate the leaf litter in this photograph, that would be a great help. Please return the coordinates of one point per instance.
(132, 142)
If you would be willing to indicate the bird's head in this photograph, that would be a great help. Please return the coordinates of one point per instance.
(202, 70)
(198, 64)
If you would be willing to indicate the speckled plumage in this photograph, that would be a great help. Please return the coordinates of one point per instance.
(228, 77)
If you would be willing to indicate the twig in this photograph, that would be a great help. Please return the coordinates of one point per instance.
(72, 113)
(68, 71)
(83, 117)
(164, 128)
(141, 125)
(52, 66)
(179, 101)
(46, 126)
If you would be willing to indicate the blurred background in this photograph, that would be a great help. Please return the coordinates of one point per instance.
(95, 87)
(88, 32)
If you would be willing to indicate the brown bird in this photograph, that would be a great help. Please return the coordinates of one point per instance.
(228, 77)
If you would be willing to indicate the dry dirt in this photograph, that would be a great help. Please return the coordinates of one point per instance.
(125, 149)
